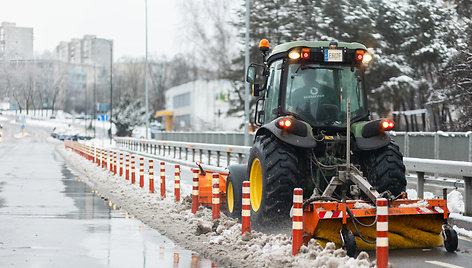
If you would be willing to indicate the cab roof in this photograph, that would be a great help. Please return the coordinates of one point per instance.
(321, 44)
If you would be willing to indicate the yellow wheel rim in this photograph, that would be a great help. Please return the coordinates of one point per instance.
(230, 197)
(255, 180)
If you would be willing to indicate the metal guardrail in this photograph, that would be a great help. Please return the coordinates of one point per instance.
(432, 145)
(455, 169)
(215, 153)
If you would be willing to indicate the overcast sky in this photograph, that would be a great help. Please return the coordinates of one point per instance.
(121, 20)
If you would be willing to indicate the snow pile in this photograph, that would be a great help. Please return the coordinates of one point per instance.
(455, 202)
(219, 240)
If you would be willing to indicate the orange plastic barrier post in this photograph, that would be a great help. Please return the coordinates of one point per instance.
(297, 220)
(246, 208)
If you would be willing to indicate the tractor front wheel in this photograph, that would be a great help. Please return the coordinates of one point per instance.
(384, 168)
(273, 174)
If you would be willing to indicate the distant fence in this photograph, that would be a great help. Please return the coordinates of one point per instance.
(431, 145)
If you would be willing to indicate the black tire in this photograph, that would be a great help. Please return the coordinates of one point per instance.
(450, 239)
(273, 173)
(384, 168)
(234, 186)
(348, 241)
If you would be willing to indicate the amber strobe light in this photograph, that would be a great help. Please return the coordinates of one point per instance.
(387, 125)
(264, 45)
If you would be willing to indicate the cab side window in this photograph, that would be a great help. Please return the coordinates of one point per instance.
(272, 93)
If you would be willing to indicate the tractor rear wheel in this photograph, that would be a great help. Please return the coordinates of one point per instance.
(384, 168)
(273, 174)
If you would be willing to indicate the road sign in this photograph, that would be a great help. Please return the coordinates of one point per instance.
(102, 107)
(102, 117)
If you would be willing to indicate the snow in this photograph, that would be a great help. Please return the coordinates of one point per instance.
(462, 231)
(412, 194)
(420, 203)
(219, 240)
(361, 205)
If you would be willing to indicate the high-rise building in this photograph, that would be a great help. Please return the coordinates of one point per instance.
(16, 43)
(89, 50)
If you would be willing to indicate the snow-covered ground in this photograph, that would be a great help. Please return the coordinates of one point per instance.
(219, 240)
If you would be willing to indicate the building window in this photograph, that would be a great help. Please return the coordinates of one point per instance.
(182, 122)
(182, 100)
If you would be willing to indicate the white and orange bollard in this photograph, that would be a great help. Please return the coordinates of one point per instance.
(151, 176)
(195, 190)
(121, 165)
(163, 180)
(246, 208)
(114, 162)
(297, 221)
(141, 172)
(110, 160)
(127, 168)
(177, 183)
(99, 157)
(382, 233)
(215, 200)
(133, 170)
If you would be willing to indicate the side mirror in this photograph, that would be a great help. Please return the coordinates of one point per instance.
(251, 74)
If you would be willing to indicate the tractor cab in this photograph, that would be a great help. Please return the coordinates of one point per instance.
(311, 81)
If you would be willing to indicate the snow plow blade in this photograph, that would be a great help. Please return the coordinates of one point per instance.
(411, 223)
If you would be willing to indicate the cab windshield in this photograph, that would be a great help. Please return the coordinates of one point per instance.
(318, 93)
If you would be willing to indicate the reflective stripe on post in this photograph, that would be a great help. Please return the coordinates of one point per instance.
(215, 200)
(382, 232)
(246, 208)
(177, 183)
(133, 170)
(297, 221)
(151, 176)
(163, 180)
(195, 190)
(141, 172)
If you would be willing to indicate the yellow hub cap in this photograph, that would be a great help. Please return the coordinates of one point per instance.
(230, 197)
(255, 180)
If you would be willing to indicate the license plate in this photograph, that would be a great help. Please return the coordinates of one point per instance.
(333, 55)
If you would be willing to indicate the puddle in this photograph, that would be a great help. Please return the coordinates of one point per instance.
(116, 238)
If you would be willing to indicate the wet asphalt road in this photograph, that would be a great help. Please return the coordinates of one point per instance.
(50, 218)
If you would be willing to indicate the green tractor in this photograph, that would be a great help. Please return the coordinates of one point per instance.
(307, 134)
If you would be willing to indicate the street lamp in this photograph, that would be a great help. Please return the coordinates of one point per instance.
(110, 42)
(146, 73)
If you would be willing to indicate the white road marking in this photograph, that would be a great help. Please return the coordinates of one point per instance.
(464, 238)
(443, 264)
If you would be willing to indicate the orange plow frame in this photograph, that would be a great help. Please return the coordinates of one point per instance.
(318, 217)
(412, 223)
